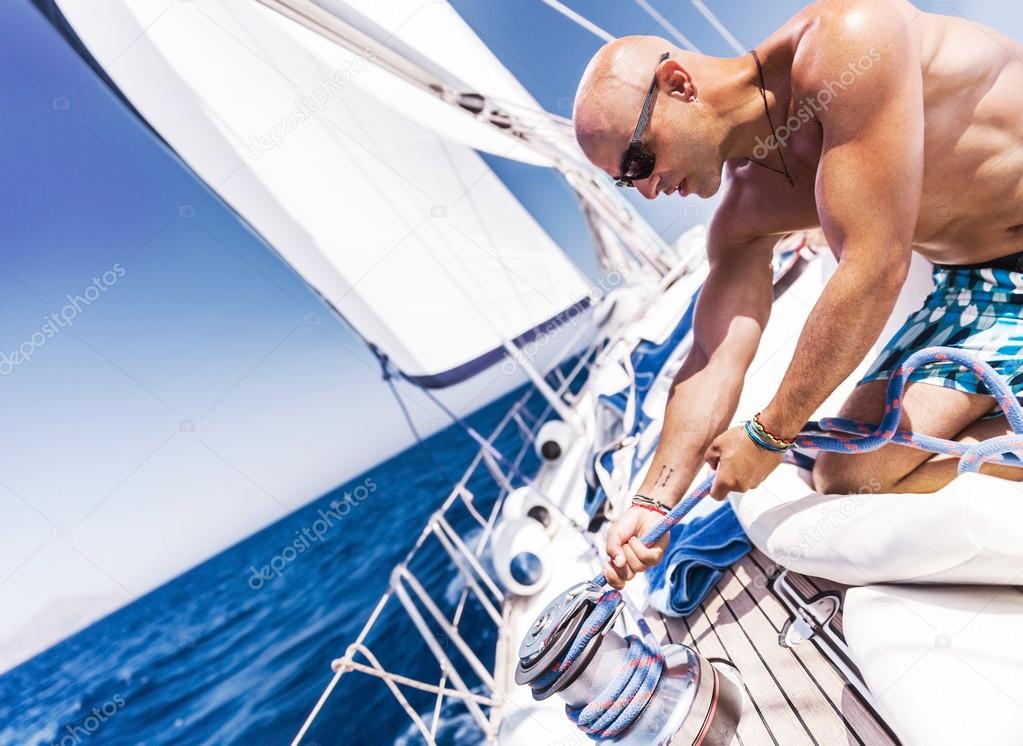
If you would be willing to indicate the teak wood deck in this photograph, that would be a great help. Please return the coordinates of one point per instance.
(795, 694)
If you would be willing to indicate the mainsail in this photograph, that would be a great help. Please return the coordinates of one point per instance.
(341, 166)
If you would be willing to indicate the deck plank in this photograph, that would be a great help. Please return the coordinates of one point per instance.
(778, 687)
(816, 711)
(778, 716)
(698, 632)
(859, 717)
(796, 694)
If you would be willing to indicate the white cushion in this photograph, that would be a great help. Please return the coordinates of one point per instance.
(970, 531)
(944, 664)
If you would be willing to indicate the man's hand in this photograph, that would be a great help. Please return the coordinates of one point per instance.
(628, 555)
(739, 462)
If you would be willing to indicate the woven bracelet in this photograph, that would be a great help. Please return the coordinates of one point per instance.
(642, 501)
(771, 436)
(761, 439)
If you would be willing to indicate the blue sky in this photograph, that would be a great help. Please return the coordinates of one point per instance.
(205, 391)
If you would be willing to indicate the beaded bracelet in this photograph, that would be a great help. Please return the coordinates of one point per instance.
(761, 439)
(777, 439)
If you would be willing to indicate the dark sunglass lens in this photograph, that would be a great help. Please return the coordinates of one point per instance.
(634, 170)
(639, 167)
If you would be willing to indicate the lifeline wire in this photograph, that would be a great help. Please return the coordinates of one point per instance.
(623, 699)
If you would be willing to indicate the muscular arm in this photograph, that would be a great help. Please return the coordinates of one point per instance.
(730, 316)
(731, 313)
(868, 195)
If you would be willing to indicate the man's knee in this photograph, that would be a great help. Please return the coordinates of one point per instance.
(829, 478)
(847, 474)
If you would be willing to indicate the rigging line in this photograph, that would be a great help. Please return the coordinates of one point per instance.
(578, 19)
(472, 299)
(484, 443)
(299, 12)
(714, 21)
(488, 318)
(412, 425)
(667, 25)
(469, 429)
(515, 469)
(490, 321)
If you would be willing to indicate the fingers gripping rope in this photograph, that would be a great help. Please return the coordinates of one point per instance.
(624, 698)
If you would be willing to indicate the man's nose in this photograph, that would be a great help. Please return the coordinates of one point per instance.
(648, 187)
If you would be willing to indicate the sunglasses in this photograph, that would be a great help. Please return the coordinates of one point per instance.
(637, 162)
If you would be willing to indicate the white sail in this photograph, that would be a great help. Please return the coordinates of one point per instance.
(409, 235)
(431, 48)
(440, 41)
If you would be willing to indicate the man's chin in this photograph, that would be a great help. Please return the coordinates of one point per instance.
(704, 190)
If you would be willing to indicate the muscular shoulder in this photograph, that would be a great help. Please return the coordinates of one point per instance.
(856, 49)
(753, 208)
(844, 25)
(738, 217)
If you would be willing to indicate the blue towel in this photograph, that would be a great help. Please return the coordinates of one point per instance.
(698, 552)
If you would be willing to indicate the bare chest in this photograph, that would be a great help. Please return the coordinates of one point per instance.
(971, 201)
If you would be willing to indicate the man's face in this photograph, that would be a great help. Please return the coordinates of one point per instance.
(687, 157)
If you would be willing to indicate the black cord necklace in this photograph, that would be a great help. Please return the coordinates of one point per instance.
(767, 110)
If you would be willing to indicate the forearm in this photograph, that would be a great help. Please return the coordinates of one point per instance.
(845, 322)
(704, 397)
(732, 310)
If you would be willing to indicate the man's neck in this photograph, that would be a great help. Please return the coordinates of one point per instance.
(739, 101)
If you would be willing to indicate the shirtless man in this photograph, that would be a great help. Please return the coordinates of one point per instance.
(898, 131)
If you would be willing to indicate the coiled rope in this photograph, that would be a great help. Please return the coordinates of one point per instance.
(623, 699)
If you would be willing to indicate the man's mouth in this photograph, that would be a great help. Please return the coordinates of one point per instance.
(679, 188)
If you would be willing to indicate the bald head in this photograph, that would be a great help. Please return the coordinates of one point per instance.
(686, 133)
(612, 89)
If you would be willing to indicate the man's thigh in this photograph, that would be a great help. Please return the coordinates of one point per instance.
(926, 408)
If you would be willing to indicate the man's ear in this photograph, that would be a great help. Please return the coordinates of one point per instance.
(676, 81)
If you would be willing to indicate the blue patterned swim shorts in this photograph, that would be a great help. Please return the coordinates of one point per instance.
(977, 310)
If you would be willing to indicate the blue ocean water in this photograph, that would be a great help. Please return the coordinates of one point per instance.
(237, 650)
